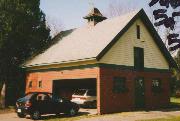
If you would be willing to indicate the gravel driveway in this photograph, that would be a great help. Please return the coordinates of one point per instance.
(134, 116)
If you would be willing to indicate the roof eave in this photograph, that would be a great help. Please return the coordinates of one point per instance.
(62, 62)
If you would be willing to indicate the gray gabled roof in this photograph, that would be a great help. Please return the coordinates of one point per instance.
(92, 42)
(83, 43)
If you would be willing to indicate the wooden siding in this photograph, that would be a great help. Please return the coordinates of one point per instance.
(122, 53)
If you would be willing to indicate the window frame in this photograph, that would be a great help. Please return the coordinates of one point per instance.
(122, 88)
(156, 89)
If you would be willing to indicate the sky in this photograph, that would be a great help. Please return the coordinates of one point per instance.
(69, 13)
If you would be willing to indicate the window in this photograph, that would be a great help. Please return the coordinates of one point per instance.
(156, 85)
(28, 96)
(40, 84)
(138, 32)
(42, 97)
(119, 84)
(30, 84)
(138, 58)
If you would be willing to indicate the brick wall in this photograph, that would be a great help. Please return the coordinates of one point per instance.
(48, 77)
(116, 102)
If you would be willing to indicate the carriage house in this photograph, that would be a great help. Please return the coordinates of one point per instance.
(122, 58)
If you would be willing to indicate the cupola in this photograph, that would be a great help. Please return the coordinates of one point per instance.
(94, 17)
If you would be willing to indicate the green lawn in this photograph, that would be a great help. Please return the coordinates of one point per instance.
(175, 102)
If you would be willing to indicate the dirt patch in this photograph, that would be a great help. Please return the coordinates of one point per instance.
(9, 110)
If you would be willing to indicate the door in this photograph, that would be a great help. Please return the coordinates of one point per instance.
(58, 104)
(139, 93)
(43, 103)
(48, 104)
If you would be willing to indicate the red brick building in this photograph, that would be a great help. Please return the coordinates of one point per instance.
(123, 58)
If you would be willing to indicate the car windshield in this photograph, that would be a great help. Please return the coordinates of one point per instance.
(57, 98)
(79, 92)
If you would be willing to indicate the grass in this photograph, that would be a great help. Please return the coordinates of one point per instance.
(164, 119)
(175, 102)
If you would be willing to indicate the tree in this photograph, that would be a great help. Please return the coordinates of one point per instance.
(168, 20)
(55, 25)
(117, 8)
(23, 33)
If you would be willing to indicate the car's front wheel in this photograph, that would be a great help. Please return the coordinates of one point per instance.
(35, 115)
(21, 115)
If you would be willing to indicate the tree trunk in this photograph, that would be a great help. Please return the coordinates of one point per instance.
(3, 94)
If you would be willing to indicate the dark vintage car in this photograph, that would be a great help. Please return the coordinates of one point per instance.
(37, 103)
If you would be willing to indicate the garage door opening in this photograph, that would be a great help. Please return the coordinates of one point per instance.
(65, 88)
(73, 89)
